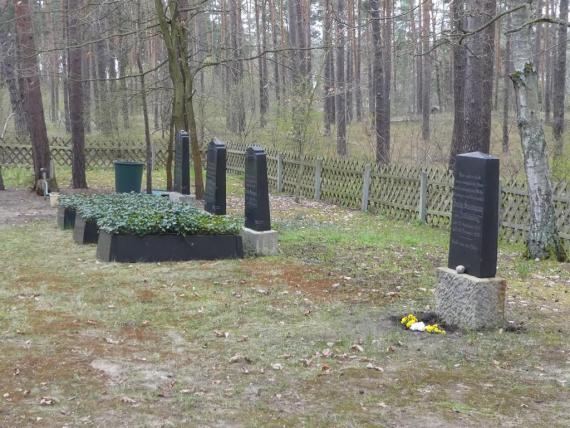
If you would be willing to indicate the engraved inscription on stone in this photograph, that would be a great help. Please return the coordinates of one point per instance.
(257, 214)
(474, 220)
(215, 196)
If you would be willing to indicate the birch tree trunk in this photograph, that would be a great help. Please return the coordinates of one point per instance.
(543, 240)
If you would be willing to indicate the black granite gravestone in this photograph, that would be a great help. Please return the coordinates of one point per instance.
(182, 163)
(215, 197)
(475, 215)
(256, 190)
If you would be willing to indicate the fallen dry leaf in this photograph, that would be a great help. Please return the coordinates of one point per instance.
(277, 366)
(219, 333)
(356, 348)
(128, 400)
(373, 367)
(47, 401)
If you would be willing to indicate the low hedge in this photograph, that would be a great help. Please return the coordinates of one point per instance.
(141, 214)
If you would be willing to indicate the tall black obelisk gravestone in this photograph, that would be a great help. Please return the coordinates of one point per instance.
(475, 215)
(257, 215)
(215, 197)
(182, 163)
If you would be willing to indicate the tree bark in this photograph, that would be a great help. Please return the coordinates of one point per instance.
(543, 239)
(237, 121)
(340, 107)
(382, 145)
(30, 88)
(328, 81)
(175, 36)
(357, 63)
(479, 78)
(459, 64)
(148, 141)
(8, 72)
(275, 46)
(426, 74)
(78, 178)
(507, 70)
(559, 80)
(262, 60)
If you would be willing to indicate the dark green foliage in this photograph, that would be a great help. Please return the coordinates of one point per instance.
(139, 214)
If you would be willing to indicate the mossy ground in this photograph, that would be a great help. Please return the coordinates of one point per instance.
(269, 341)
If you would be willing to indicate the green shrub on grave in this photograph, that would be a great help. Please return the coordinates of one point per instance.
(141, 214)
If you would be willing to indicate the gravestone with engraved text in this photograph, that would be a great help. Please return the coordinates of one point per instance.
(475, 215)
(182, 163)
(257, 216)
(215, 196)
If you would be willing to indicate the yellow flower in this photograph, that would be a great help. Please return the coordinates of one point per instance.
(435, 329)
(409, 320)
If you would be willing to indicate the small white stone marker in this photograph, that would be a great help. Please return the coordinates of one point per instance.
(460, 269)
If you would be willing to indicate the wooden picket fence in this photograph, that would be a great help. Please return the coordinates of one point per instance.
(399, 191)
(98, 153)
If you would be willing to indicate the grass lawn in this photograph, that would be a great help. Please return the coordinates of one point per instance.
(271, 341)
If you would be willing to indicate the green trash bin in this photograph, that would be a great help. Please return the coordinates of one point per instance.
(128, 176)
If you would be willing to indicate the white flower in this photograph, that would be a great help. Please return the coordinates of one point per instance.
(418, 326)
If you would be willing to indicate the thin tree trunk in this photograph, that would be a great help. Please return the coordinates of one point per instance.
(261, 61)
(387, 69)
(275, 45)
(459, 64)
(31, 91)
(382, 146)
(507, 70)
(559, 80)
(148, 141)
(419, 58)
(78, 178)
(340, 108)
(328, 83)
(479, 78)
(8, 72)
(426, 74)
(357, 63)
(550, 40)
(86, 85)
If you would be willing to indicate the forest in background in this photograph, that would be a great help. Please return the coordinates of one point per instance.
(279, 72)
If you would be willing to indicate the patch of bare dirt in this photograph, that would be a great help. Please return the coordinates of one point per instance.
(19, 207)
(309, 279)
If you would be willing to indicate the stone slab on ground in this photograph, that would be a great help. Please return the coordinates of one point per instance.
(259, 243)
(469, 302)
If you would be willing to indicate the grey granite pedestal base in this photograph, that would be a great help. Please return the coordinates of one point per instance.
(256, 243)
(469, 302)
